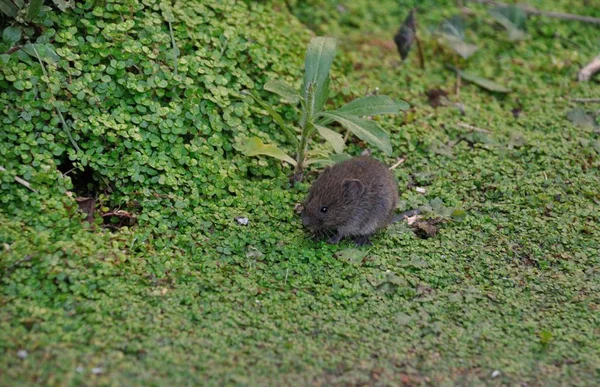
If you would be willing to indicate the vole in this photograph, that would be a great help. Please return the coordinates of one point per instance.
(353, 198)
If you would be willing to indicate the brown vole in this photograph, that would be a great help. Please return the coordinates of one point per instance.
(353, 198)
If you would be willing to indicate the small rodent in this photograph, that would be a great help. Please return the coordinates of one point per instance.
(353, 198)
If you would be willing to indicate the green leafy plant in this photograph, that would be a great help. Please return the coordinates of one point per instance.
(314, 119)
(513, 19)
(452, 32)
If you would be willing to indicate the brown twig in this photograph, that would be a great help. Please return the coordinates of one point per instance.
(538, 12)
(473, 128)
(585, 100)
(400, 161)
(420, 51)
(24, 183)
(14, 49)
(589, 69)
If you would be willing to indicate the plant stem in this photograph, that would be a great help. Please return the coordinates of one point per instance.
(302, 149)
(62, 119)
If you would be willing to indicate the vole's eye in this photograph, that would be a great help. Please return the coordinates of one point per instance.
(324, 209)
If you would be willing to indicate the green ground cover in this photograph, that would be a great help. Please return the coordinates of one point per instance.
(171, 289)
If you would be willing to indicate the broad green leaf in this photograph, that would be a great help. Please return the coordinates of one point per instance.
(254, 147)
(513, 13)
(11, 35)
(319, 57)
(284, 90)
(35, 6)
(482, 82)
(8, 8)
(453, 31)
(513, 19)
(276, 117)
(454, 26)
(335, 139)
(373, 105)
(462, 48)
(366, 130)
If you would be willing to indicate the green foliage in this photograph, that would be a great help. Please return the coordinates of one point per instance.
(142, 128)
(513, 19)
(313, 119)
(453, 32)
(188, 295)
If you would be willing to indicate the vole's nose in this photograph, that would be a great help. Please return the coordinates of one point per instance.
(305, 221)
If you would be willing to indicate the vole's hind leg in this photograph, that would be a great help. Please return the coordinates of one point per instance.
(362, 240)
(335, 239)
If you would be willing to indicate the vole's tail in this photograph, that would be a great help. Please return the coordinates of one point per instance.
(405, 214)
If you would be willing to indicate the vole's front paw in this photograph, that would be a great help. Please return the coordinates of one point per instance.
(362, 240)
(334, 240)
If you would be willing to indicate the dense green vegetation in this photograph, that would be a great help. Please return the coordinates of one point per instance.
(166, 287)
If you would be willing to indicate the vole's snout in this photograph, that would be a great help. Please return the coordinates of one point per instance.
(305, 220)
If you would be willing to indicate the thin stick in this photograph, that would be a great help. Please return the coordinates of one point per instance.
(24, 183)
(538, 12)
(174, 47)
(62, 119)
(473, 128)
(589, 69)
(585, 100)
(400, 161)
(420, 51)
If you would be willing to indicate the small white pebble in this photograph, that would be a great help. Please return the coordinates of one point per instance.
(22, 353)
(495, 374)
(97, 370)
(242, 221)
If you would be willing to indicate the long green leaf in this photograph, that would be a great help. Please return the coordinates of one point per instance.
(282, 89)
(276, 117)
(35, 6)
(319, 57)
(373, 105)
(513, 19)
(453, 30)
(482, 82)
(366, 130)
(335, 139)
(8, 8)
(254, 147)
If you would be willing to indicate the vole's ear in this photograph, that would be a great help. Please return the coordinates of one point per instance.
(353, 188)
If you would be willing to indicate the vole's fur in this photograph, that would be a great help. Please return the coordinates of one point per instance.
(353, 198)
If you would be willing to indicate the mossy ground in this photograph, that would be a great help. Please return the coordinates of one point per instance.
(189, 296)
